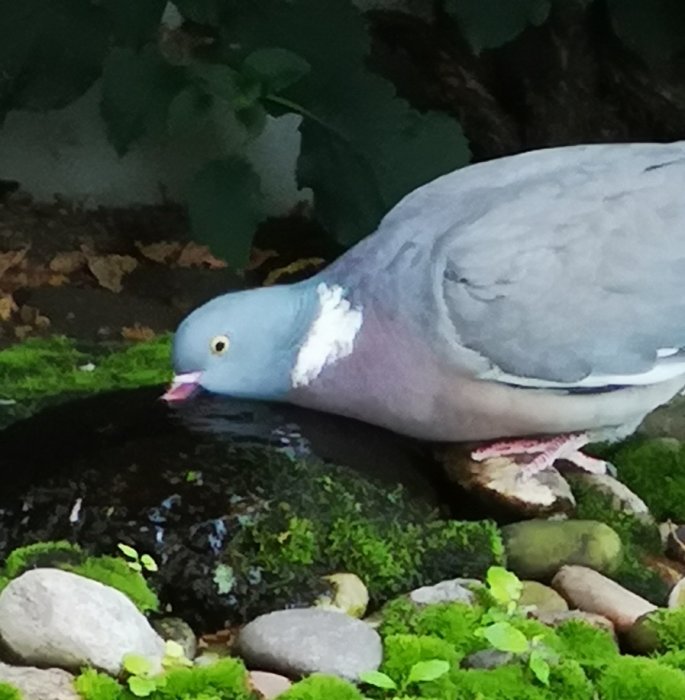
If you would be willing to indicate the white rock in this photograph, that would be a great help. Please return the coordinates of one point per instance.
(50, 617)
(456, 590)
(39, 683)
(302, 641)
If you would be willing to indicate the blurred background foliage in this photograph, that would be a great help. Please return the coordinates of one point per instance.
(388, 99)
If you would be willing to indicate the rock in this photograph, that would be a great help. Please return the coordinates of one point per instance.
(456, 590)
(487, 659)
(50, 617)
(676, 598)
(642, 637)
(554, 619)
(588, 590)
(622, 498)
(178, 630)
(675, 541)
(498, 481)
(536, 549)
(268, 685)
(542, 598)
(39, 683)
(308, 640)
(348, 594)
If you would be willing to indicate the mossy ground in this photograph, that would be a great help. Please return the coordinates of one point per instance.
(41, 371)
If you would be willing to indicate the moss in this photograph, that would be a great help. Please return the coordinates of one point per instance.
(632, 678)
(116, 573)
(669, 628)
(224, 680)
(402, 651)
(592, 648)
(638, 460)
(9, 692)
(110, 571)
(40, 371)
(454, 623)
(566, 681)
(340, 523)
(321, 687)
(638, 539)
(674, 659)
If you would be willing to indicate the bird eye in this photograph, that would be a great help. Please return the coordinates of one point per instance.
(219, 344)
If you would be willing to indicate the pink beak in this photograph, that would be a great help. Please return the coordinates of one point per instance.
(182, 386)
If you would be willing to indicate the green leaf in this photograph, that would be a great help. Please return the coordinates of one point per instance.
(137, 90)
(423, 671)
(378, 680)
(487, 24)
(539, 666)
(362, 148)
(653, 28)
(217, 79)
(505, 587)
(201, 11)
(137, 665)
(188, 111)
(224, 578)
(505, 637)
(173, 649)
(225, 206)
(128, 551)
(134, 22)
(253, 119)
(142, 687)
(51, 51)
(277, 69)
(149, 564)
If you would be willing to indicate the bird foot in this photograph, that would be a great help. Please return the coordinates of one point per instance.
(536, 454)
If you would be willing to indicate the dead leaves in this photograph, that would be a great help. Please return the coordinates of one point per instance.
(109, 270)
(176, 254)
(11, 259)
(7, 306)
(137, 333)
(68, 262)
(17, 271)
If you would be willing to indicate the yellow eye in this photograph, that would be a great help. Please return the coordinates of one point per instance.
(219, 344)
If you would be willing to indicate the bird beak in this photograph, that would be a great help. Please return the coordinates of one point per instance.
(182, 386)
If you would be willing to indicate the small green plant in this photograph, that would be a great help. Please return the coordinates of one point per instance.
(141, 680)
(420, 672)
(504, 588)
(137, 562)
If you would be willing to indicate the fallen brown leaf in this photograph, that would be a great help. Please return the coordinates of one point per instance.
(68, 262)
(258, 257)
(195, 255)
(10, 259)
(7, 306)
(21, 332)
(294, 267)
(109, 270)
(162, 252)
(137, 333)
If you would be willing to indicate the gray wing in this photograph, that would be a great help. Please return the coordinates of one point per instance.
(564, 266)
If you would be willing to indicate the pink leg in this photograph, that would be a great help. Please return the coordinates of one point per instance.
(546, 451)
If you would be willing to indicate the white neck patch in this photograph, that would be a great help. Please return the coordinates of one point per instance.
(330, 337)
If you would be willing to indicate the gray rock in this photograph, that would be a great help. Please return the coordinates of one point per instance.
(622, 497)
(179, 631)
(39, 683)
(537, 549)
(50, 617)
(541, 598)
(309, 640)
(456, 590)
(487, 659)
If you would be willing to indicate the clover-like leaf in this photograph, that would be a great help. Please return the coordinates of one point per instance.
(142, 687)
(378, 679)
(149, 564)
(128, 551)
(503, 636)
(504, 586)
(423, 671)
(539, 666)
(137, 665)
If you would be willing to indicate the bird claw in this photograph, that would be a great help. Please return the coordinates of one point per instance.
(546, 452)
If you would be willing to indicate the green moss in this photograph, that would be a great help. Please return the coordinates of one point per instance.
(40, 371)
(454, 623)
(340, 523)
(110, 571)
(566, 681)
(224, 680)
(321, 687)
(9, 692)
(116, 573)
(674, 659)
(655, 470)
(402, 651)
(592, 648)
(632, 678)
(669, 628)
(638, 539)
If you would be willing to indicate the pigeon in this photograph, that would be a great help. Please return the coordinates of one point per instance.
(529, 305)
